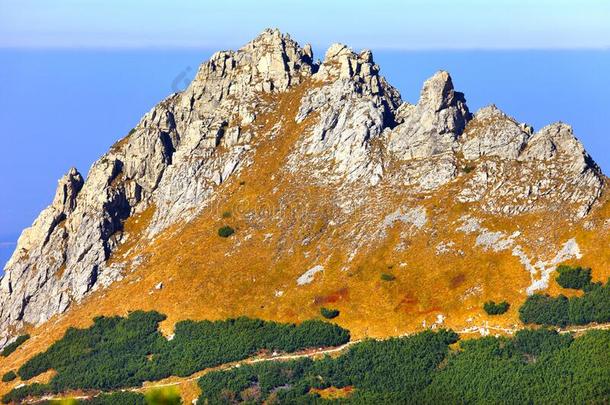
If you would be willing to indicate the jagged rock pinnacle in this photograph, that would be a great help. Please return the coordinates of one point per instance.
(432, 126)
(437, 92)
(68, 189)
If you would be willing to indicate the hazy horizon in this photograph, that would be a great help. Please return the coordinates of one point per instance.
(385, 24)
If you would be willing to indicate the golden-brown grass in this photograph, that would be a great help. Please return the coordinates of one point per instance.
(283, 228)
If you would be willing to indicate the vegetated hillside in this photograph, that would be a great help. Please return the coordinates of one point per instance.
(537, 366)
(125, 352)
(533, 367)
(275, 185)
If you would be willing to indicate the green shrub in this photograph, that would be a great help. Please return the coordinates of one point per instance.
(387, 277)
(593, 306)
(111, 353)
(534, 367)
(10, 348)
(117, 352)
(225, 231)
(10, 376)
(467, 169)
(545, 310)
(539, 341)
(493, 371)
(389, 370)
(493, 308)
(18, 394)
(577, 278)
(226, 214)
(329, 313)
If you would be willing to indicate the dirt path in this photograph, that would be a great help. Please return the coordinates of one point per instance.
(486, 330)
(197, 375)
(299, 355)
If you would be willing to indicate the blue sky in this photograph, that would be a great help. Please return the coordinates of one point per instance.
(424, 24)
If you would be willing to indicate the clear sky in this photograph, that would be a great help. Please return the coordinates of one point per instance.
(414, 24)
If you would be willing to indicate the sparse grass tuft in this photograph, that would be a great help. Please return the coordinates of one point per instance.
(388, 277)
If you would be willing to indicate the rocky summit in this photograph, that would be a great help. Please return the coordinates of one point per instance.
(338, 193)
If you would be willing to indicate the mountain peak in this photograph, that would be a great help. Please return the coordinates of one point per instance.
(67, 190)
(271, 62)
(558, 140)
(309, 161)
(433, 125)
(437, 92)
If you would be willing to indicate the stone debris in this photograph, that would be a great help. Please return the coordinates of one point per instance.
(486, 238)
(308, 276)
(438, 322)
(410, 216)
(473, 291)
(540, 271)
(469, 225)
(497, 241)
(444, 247)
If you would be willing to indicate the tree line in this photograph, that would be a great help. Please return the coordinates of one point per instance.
(535, 366)
(117, 352)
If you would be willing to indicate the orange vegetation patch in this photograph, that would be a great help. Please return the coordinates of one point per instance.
(333, 297)
(333, 392)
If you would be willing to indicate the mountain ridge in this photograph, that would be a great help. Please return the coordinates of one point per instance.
(332, 136)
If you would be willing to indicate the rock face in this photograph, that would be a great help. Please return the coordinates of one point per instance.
(546, 169)
(433, 125)
(362, 138)
(493, 133)
(354, 105)
(167, 161)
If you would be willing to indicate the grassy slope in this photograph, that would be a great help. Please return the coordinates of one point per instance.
(207, 277)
